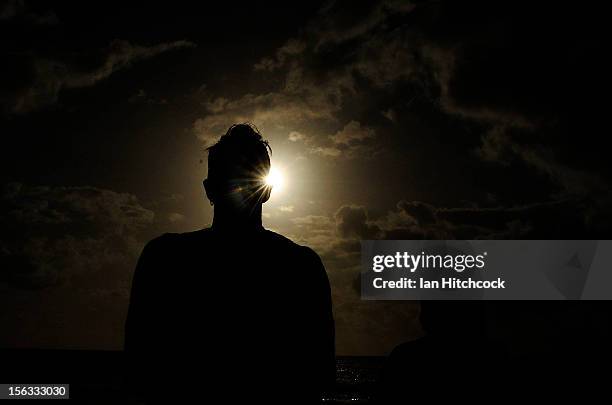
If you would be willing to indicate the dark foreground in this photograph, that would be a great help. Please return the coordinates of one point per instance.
(415, 371)
(99, 375)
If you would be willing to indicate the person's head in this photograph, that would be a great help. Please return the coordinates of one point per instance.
(237, 166)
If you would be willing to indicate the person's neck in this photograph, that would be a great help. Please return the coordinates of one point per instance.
(232, 221)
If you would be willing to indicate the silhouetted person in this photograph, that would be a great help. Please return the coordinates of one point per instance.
(459, 359)
(447, 363)
(233, 310)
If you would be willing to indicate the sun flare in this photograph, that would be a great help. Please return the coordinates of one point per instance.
(275, 179)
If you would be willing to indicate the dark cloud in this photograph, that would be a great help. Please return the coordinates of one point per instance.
(352, 141)
(336, 25)
(352, 221)
(67, 256)
(302, 100)
(291, 48)
(546, 220)
(337, 239)
(52, 235)
(419, 220)
(31, 82)
(424, 214)
(532, 88)
(141, 96)
(17, 9)
(11, 8)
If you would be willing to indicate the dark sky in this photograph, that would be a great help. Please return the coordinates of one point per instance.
(392, 119)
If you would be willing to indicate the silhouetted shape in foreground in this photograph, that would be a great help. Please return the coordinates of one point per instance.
(444, 365)
(460, 359)
(233, 310)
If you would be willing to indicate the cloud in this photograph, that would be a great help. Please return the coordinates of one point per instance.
(73, 249)
(525, 86)
(529, 92)
(291, 48)
(42, 79)
(142, 97)
(54, 235)
(422, 213)
(390, 114)
(353, 140)
(316, 83)
(17, 9)
(352, 133)
(295, 136)
(336, 26)
(352, 221)
(337, 239)
(339, 235)
(316, 231)
(269, 112)
(303, 99)
(541, 220)
(499, 142)
(11, 8)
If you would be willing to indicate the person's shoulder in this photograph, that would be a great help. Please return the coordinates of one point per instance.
(171, 241)
(191, 236)
(305, 252)
(279, 239)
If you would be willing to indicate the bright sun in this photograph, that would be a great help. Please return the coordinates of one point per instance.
(274, 179)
